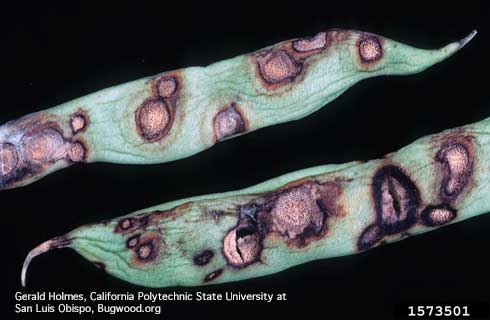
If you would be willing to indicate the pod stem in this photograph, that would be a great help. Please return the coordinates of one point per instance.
(55, 243)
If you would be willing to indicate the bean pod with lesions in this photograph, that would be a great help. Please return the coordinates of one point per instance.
(311, 214)
(179, 113)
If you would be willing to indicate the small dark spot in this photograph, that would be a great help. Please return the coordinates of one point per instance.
(144, 220)
(100, 265)
(213, 275)
(148, 249)
(216, 214)
(145, 251)
(124, 224)
(133, 241)
(438, 215)
(203, 257)
(369, 237)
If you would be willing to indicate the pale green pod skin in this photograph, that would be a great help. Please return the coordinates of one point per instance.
(316, 213)
(176, 114)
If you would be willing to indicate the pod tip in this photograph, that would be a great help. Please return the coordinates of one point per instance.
(467, 39)
(58, 242)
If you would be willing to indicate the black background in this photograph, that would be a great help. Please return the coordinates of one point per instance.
(52, 54)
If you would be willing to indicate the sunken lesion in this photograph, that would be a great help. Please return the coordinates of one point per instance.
(288, 62)
(34, 144)
(79, 121)
(277, 66)
(311, 44)
(8, 158)
(434, 216)
(299, 213)
(133, 241)
(143, 238)
(370, 48)
(296, 214)
(396, 201)
(148, 249)
(154, 118)
(166, 86)
(229, 121)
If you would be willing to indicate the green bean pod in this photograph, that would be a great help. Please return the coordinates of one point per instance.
(311, 214)
(176, 114)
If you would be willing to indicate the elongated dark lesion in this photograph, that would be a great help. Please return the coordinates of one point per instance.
(396, 201)
(455, 158)
(396, 197)
(438, 215)
(308, 44)
(213, 275)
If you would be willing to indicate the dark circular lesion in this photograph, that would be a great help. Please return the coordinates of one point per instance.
(125, 224)
(370, 48)
(145, 251)
(167, 86)
(79, 121)
(277, 66)
(133, 241)
(153, 119)
(148, 249)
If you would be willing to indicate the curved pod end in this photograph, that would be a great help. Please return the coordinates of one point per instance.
(409, 60)
(55, 243)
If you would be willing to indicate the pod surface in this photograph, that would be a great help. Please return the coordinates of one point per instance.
(178, 113)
